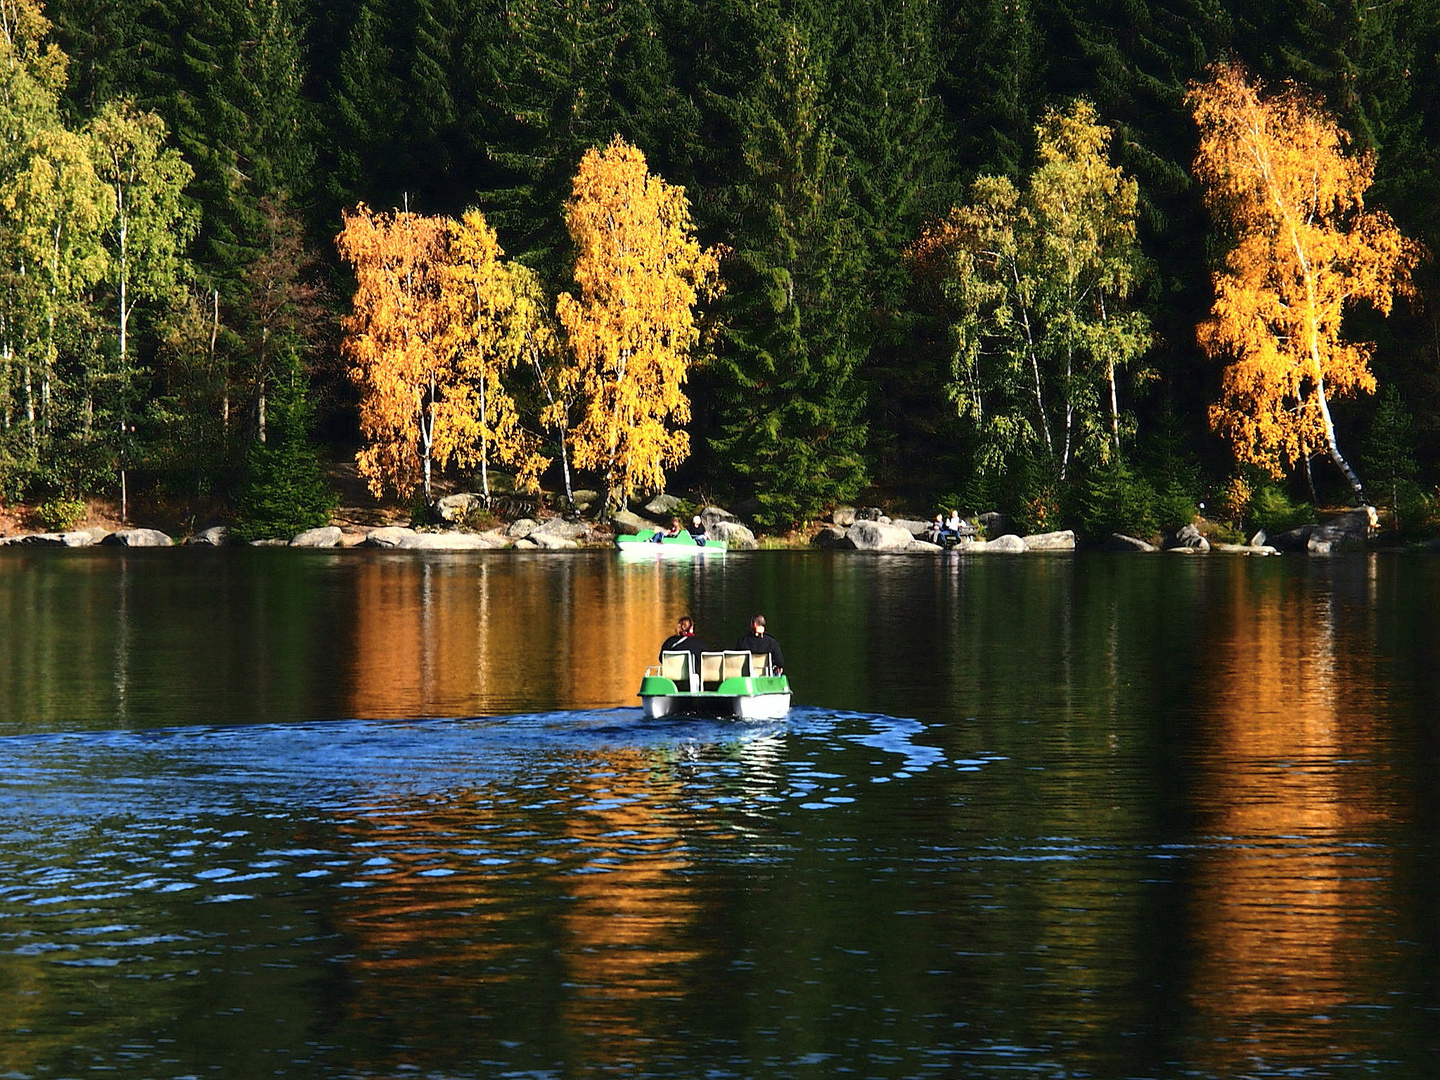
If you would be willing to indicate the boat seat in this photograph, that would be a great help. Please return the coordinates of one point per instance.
(735, 665)
(710, 665)
(760, 663)
(676, 667)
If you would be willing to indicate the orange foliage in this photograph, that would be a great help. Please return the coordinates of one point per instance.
(394, 338)
(485, 340)
(1279, 171)
(640, 273)
(438, 319)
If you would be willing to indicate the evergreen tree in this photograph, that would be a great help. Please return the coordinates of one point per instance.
(889, 123)
(993, 80)
(284, 490)
(370, 157)
(1389, 451)
(565, 76)
(788, 373)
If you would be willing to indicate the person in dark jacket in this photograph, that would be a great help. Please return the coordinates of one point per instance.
(758, 641)
(684, 640)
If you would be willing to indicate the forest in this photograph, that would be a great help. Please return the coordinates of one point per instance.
(994, 254)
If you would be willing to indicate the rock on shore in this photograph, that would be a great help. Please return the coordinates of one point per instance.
(137, 538)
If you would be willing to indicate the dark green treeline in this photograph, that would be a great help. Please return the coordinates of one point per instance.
(814, 140)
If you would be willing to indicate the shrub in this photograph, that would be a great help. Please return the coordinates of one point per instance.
(1115, 498)
(59, 514)
(1272, 510)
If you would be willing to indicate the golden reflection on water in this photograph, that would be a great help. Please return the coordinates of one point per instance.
(481, 636)
(621, 932)
(1286, 902)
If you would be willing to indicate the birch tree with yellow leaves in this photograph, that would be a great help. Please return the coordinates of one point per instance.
(1279, 172)
(630, 330)
(439, 320)
(491, 326)
(396, 341)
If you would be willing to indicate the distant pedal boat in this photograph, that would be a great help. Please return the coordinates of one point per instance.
(728, 684)
(682, 546)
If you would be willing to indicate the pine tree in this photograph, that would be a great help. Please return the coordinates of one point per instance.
(792, 403)
(565, 76)
(890, 126)
(284, 490)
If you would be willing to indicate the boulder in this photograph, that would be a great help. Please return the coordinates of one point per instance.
(351, 538)
(1008, 544)
(137, 538)
(1294, 540)
(585, 499)
(1121, 542)
(869, 513)
(1064, 540)
(73, 538)
(1258, 539)
(444, 541)
(829, 537)
(844, 516)
(551, 541)
(923, 545)
(526, 544)
(453, 508)
(325, 537)
(867, 535)
(626, 524)
(661, 508)
(995, 524)
(521, 528)
(915, 528)
(1186, 538)
(560, 527)
(1348, 531)
(388, 536)
(735, 535)
(1243, 549)
(273, 541)
(214, 536)
(712, 514)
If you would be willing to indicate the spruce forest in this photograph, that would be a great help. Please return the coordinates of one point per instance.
(1093, 264)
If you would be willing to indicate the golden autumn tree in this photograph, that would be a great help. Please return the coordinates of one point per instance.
(630, 331)
(491, 325)
(396, 341)
(1279, 171)
(438, 320)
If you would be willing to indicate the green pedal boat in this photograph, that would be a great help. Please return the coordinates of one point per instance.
(643, 545)
(735, 684)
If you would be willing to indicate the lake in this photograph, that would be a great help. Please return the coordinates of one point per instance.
(369, 814)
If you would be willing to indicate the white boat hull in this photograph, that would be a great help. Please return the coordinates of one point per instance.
(739, 706)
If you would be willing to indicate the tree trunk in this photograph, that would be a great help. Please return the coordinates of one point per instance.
(1334, 447)
(484, 448)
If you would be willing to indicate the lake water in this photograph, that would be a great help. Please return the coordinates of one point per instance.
(358, 814)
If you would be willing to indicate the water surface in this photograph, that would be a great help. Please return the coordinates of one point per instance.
(366, 814)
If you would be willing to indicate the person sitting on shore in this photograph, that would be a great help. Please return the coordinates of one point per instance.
(757, 641)
(684, 640)
(937, 530)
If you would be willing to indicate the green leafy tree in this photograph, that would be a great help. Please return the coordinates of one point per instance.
(1041, 284)
(145, 238)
